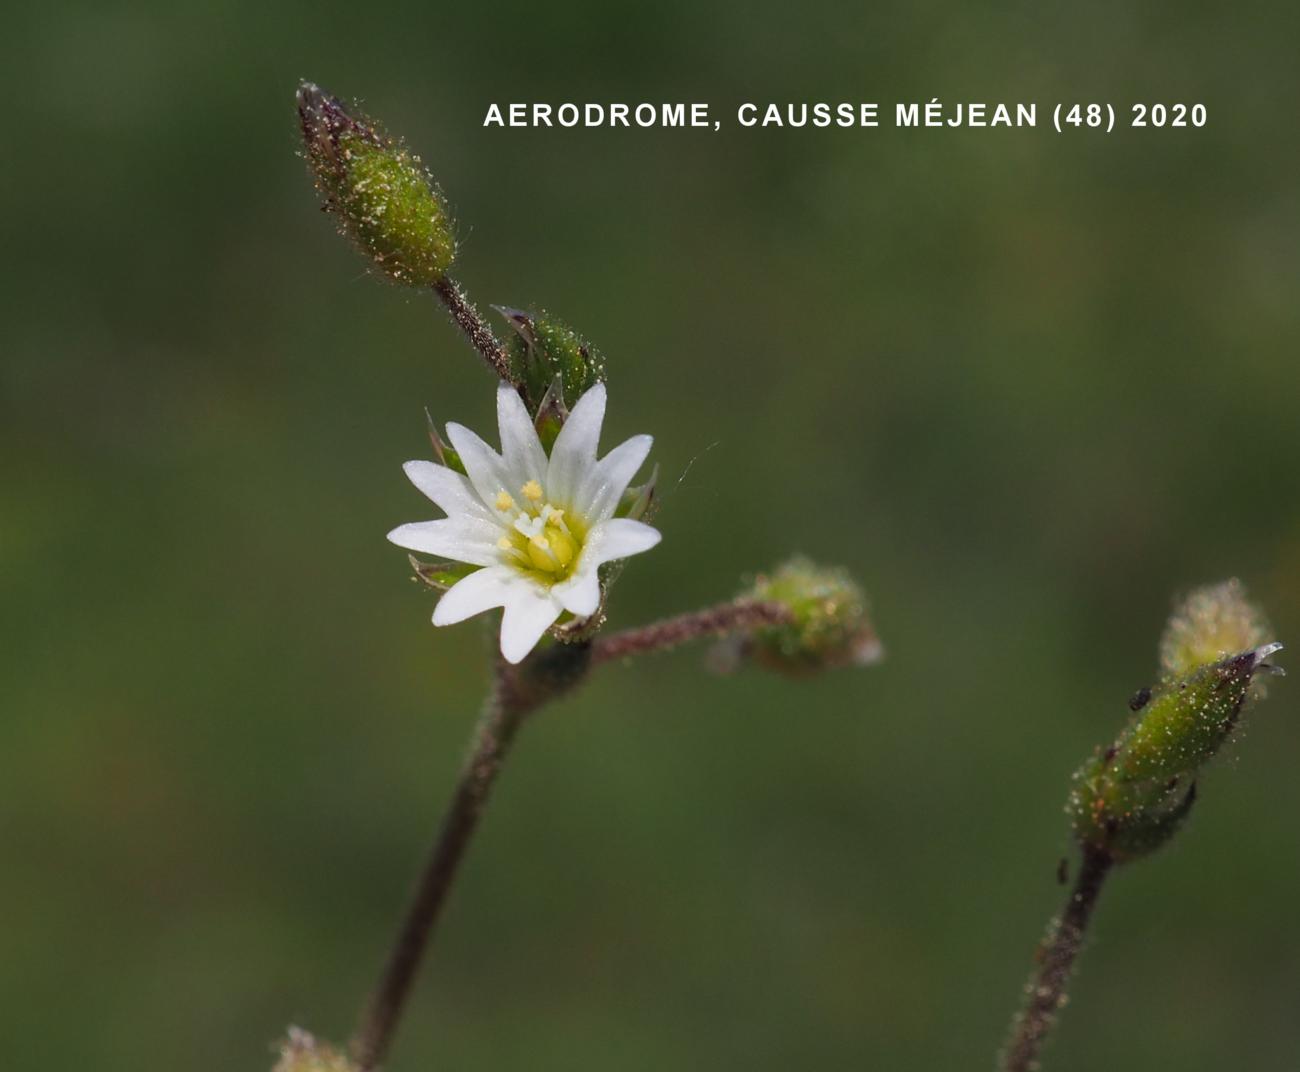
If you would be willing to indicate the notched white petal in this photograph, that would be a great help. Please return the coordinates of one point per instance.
(575, 447)
(619, 537)
(521, 450)
(580, 594)
(598, 495)
(485, 467)
(528, 614)
(450, 538)
(480, 591)
(448, 489)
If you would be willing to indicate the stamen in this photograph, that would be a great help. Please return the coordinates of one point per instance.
(556, 517)
(532, 491)
(504, 500)
(505, 544)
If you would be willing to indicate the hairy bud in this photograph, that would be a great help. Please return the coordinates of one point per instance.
(1132, 797)
(378, 190)
(551, 364)
(829, 625)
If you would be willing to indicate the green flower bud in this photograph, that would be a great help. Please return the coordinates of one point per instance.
(381, 194)
(829, 625)
(300, 1052)
(1210, 624)
(1131, 798)
(551, 364)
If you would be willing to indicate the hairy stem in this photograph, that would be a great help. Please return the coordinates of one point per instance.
(476, 329)
(1046, 990)
(496, 731)
(734, 617)
(516, 693)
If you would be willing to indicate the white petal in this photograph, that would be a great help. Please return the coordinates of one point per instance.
(451, 538)
(599, 491)
(521, 450)
(580, 594)
(529, 613)
(481, 590)
(447, 488)
(487, 471)
(617, 538)
(574, 452)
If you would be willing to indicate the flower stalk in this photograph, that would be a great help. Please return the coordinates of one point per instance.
(740, 616)
(1046, 992)
(515, 694)
(475, 329)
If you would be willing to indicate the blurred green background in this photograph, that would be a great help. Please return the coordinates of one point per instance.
(1027, 386)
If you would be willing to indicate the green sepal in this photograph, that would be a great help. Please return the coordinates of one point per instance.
(551, 414)
(444, 452)
(440, 575)
(1186, 722)
(640, 503)
(544, 350)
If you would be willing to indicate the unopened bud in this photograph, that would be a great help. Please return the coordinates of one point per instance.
(378, 190)
(1129, 799)
(828, 622)
(551, 364)
(300, 1052)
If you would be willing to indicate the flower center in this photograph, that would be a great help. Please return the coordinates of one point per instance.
(539, 538)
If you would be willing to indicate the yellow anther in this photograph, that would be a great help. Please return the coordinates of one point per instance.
(532, 491)
(505, 544)
(504, 500)
(539, 541)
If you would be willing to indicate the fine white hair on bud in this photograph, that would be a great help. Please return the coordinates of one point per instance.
(1211, 622)
(535, 527)
(828, 624)
(301, 1052)
(377, 189)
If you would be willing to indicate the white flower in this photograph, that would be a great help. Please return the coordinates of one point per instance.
(539, 527)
